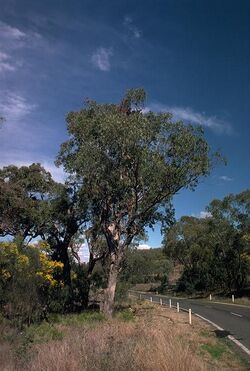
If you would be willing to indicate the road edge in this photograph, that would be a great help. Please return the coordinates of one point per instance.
(230, 337)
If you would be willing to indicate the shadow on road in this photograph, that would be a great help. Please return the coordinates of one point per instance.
(222, 333)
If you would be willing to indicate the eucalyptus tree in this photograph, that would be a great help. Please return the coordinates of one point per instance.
(231, 217)
(129, 164)
(214, 252)
(235, 208)
(65, 225)
(33, 205)
(25, 193)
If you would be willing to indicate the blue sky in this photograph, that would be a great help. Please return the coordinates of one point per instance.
(192, 57)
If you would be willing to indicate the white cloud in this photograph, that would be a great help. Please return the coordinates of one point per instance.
(133, 30)
(143, 247)
(57, 173)
(11, 40)
(14, 107)
(101, 58)
(190, 116)
(26, 159)
(204, 215)
(226, 178)
(5, 64)
(22, 143)
(11, 33)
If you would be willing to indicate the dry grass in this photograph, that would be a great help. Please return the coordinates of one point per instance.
(157, 339)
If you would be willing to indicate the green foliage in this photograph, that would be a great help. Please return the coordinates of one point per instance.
(121, 293)
(136, 162)
(215, 350)
(213, 251)
(32, 205)
(139, 161)
(27, 280)
(80, 284)
(24, 200)
(125, 166)
(43, 333)
(142, 266)
(164, 284)
(126, 315)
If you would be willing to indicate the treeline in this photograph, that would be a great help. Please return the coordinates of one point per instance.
(145, 266)
(214, 251)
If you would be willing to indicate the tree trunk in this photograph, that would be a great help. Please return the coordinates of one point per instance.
(109, 292)
(64, 258)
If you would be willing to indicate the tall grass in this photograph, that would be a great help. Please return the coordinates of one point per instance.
(152, 339)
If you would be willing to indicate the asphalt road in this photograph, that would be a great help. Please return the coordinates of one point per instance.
(234, 319)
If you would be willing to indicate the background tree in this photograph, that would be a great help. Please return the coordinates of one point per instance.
(33, 205)
(129, 164)
(25, 194)
(187, 242)
(214, 251)
(232, 221)
(143, 266)
(64, 230)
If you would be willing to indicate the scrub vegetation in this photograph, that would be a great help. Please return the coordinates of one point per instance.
(141, 336)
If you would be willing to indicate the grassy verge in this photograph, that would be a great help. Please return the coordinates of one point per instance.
(239, 301)
(143, 336)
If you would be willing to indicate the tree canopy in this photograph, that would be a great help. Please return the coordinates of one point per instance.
(24, 198)
(214, 251)
(128, 164)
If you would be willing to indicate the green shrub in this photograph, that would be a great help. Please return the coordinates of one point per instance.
(126, 315)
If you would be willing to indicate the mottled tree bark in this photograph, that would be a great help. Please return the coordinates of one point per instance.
(109, 292)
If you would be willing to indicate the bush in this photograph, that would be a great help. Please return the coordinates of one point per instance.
(27, 282)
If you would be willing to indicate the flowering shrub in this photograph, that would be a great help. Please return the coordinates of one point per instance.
(28, 278)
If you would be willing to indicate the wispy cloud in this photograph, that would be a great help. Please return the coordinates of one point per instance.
(19, 158)
(13, 39)
(226, 178)
(130, 26)
(188, 115)
(23, 141)
(101, 58)
(5, 63)
(11, 33)
(14, 107)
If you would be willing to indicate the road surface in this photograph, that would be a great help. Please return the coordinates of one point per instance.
(232, 318)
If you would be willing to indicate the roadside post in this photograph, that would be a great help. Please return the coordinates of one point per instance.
(233, 298)
(210, 297)
(160, 301)
(178, 307)
(170, 303)
(190, 316)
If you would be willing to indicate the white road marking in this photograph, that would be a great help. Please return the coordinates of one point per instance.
(236, 314)
(232, 338)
